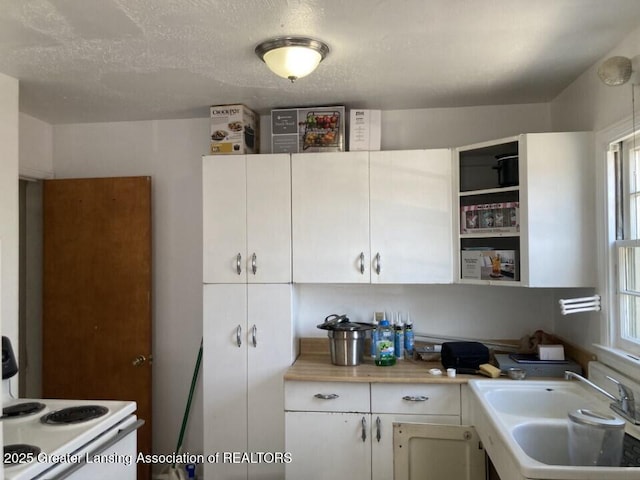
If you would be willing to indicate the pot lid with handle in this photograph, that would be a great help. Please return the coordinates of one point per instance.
(342, 322)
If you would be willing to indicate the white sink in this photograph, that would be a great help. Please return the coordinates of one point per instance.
(524, 428)
(545, 442)
(533, 400)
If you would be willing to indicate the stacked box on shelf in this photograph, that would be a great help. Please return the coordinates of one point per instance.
(364, 130)
(490, 218)
(496, 265)
(234, 130)
(312, 129)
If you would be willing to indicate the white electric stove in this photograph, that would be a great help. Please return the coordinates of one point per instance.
(66, 439)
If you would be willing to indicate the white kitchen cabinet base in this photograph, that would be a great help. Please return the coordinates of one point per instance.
(433, 452)
(328, 446)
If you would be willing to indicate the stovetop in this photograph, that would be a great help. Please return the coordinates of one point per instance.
(58, 439)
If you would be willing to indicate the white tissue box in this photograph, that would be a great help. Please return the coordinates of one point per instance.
(551, 352)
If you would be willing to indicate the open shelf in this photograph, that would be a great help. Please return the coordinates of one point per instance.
(488, 214)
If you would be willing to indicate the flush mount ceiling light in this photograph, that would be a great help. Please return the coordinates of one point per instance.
(292, 57)
(615, 71)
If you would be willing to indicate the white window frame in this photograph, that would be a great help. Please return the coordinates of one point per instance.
(612, 350)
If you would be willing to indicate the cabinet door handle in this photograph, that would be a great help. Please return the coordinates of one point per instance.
(238, 264)
(326, 396)
(415, 398)
(254, 335)
(364, 429)
(254, 265)
(378, 263)
(361, 263)
(378, 429)
(239, 336)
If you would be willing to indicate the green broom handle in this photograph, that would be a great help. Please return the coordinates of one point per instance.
(188, 407)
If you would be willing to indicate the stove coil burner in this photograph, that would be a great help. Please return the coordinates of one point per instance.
(22, 409)
(72, 415)
(19, 454)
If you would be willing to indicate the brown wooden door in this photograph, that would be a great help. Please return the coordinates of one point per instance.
(96, 324)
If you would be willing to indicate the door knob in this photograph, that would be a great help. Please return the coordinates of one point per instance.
(139, 361)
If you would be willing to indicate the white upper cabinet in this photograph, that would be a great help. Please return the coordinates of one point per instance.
(330, 194)
(525, 211)
(372, 217)
(247, 219)
(410, 215)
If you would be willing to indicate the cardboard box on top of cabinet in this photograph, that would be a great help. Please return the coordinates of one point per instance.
(496, 265)
(234, 130)
(364, 129)
(311, 129)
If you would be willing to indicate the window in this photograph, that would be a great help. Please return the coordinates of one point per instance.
(625, 168)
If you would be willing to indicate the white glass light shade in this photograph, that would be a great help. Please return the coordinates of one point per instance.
(292, 62)
(292, 57)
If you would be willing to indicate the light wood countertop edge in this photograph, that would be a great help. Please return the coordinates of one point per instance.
(318, 368)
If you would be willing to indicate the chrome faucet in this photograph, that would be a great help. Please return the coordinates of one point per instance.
(625, 406)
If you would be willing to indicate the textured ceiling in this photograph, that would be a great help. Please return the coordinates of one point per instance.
(110, 60)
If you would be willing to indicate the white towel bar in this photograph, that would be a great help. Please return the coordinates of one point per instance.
(578, 305)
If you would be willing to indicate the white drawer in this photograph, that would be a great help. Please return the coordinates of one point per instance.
(415, 399)
(326, 397)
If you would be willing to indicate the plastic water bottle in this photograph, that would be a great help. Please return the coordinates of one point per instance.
(374, 336)
(385, 355)
(408, 336)
(398, 343)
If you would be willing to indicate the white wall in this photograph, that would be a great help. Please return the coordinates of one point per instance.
(9, 128)
(476, 312)
(170, 151)
(36, 148)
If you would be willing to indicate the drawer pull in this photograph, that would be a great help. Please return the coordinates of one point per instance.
(415, 398)
(326, 396)
(364, 429)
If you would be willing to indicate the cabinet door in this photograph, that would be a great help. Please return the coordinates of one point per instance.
(224, 375)
(330, 213)
(270, 352)
(433, 452)
(382, 439)
(411, 231)
(557, 204)
(328, 446)
(224, 213)
(268, 255)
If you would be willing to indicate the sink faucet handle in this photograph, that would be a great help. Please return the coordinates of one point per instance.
(627, 400)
